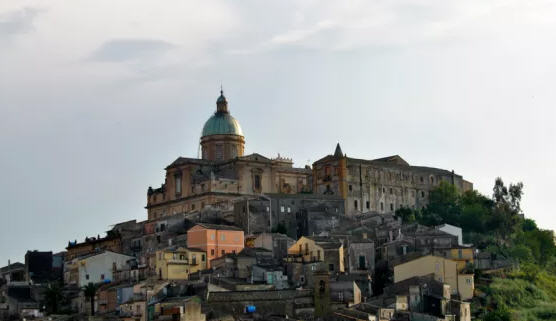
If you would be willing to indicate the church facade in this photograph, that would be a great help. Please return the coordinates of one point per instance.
(225, 174)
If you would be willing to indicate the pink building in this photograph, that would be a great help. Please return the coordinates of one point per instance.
(216, 240)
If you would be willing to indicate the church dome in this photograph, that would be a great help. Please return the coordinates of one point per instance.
(222, 124)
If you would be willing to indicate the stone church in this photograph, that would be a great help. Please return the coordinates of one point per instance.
(224, 174)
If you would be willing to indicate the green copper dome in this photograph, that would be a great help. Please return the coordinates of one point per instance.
(222, 124)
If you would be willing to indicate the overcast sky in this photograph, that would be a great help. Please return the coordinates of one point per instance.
(97, 97)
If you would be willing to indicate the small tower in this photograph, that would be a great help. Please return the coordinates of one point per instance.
(321, 293)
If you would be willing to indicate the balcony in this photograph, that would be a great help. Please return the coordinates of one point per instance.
(178, 261)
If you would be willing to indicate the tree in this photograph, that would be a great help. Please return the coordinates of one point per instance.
(510, 197)
(407, 214)
(541, 244)
(53, 297)
(444, 205)
(90, 291)
(529, 225)
(521, 253)
(475, 211)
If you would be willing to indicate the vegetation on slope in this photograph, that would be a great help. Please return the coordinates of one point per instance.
(496, 224)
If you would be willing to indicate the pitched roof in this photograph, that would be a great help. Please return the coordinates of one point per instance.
(219, 227)
(12, 267)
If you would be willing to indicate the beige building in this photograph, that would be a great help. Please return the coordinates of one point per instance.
(318, 249)
(380, 185)
(444, 270)
(223, 173)
(179, 263)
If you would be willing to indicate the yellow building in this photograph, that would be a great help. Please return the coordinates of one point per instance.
(444, 270)
(179, 263)
(318, 249)
(461, 255)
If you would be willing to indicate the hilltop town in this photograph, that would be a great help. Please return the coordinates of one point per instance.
(235, 236)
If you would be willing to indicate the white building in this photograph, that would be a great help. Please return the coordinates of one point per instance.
(98, 268)
(453, 230)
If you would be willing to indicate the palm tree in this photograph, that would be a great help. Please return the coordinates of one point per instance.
(53, 296)
(90, 291)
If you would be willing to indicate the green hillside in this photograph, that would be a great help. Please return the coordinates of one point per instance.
(526, 290)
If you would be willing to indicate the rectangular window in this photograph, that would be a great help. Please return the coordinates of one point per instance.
(219, 152)
(102, 276)
(281, 209)
(203, 258)
(233, 151)
(350, 188)
(368, 205)
(212, 252)
(177, 179)
(381, 206)
(87, 277)
(355, 204)
(331, 267)
(223, 252)
(257, 182)
(362, 263)
(391, 206)
(222, 237)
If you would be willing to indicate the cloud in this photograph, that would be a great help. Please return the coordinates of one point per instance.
(337, 26)
(17, 22)
(122, 50)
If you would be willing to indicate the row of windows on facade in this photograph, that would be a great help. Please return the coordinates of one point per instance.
(87, 277)
(223, 252)
(368, 205)
(182, 257)
(353, 172)
(178, 189)
(391, 190)
(219, 152)
(223, 237)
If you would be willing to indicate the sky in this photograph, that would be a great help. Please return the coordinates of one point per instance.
(97, 97)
